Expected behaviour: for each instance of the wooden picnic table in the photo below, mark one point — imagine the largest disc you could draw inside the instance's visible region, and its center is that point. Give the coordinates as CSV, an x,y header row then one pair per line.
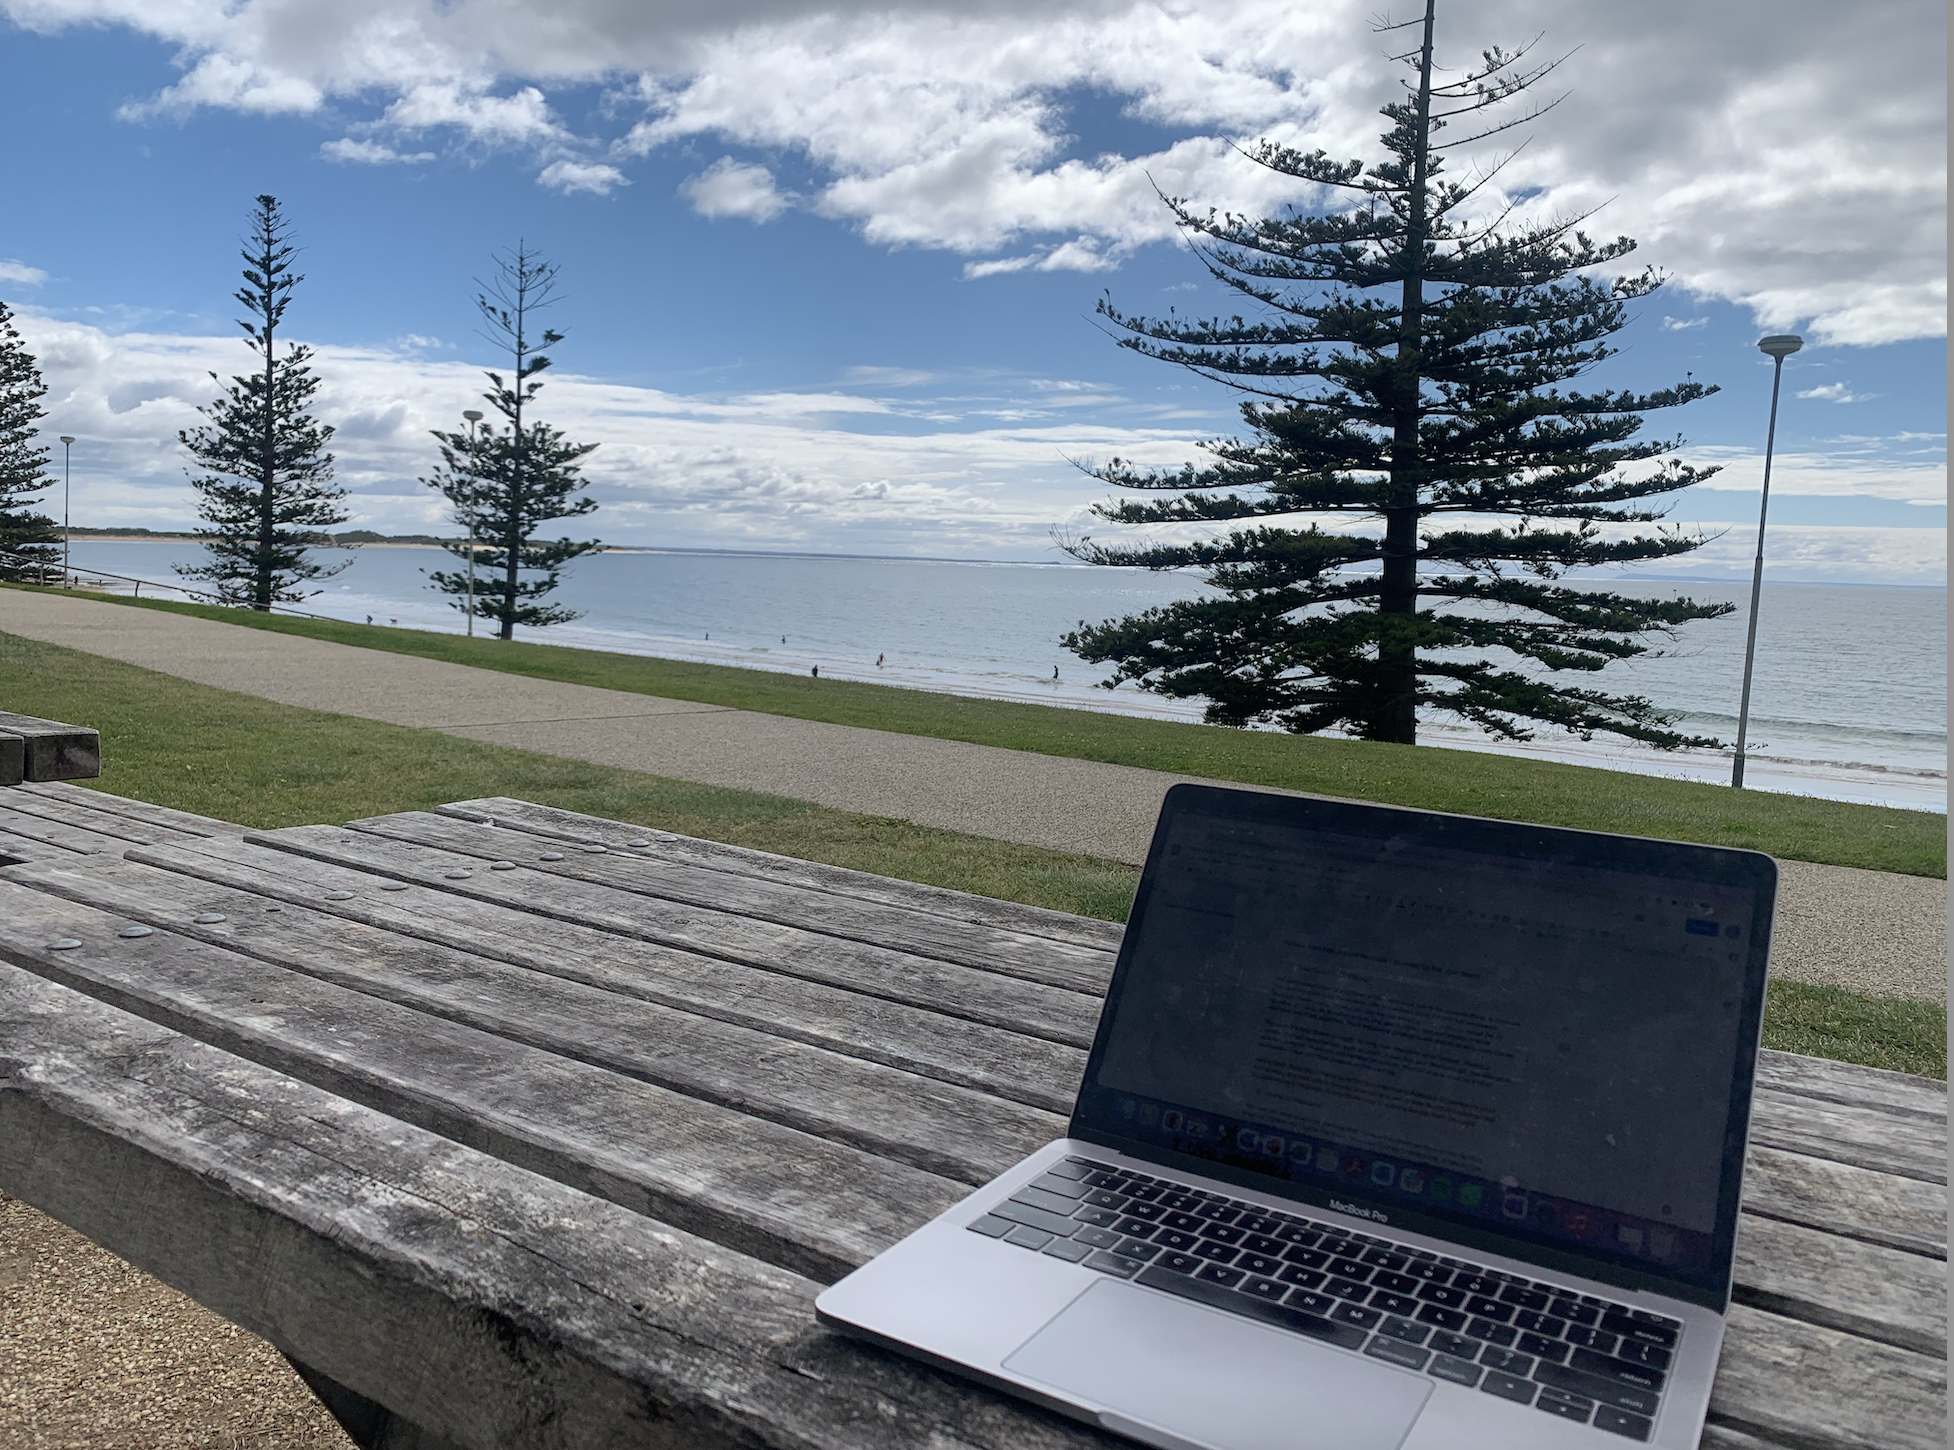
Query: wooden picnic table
x,y
514,1127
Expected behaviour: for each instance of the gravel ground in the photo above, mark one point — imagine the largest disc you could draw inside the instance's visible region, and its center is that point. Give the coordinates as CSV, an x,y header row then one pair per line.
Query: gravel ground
x,y
97,1355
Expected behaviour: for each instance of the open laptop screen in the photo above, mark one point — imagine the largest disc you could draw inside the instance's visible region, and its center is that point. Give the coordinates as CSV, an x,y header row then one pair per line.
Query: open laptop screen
x,y
1496,1032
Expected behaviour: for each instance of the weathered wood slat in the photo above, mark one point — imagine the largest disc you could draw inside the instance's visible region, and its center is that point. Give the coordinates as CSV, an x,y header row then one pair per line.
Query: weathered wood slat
x,y
1878,1209
781,1194
1009,953
1722,1437
1807,1191
1022,1069
561,825
464,1294
415,923
78,839
1876,1293
1026,1007
1898,1212
1818,1193
21,848
207,991
51,750
1852,1085
1841,1198
189,823
65,810
1869,1137
1814,1387
1866,1137
1823,1281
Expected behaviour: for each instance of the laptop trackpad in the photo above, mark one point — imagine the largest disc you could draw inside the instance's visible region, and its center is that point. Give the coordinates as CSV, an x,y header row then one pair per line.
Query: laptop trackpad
x,y
1214,1379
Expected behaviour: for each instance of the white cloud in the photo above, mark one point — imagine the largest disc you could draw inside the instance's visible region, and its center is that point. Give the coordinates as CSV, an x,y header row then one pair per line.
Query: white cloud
x,y
1081,254
889,377
1837,393
369,153
779,405
1786,155
730,188
520,119
21,274
593,177
1677,324
774,470
224,81
1820,554
999,267
970,472
1869,468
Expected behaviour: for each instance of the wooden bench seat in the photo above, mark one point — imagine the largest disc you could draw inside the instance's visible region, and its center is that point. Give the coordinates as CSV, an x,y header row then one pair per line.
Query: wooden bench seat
x,y
43,750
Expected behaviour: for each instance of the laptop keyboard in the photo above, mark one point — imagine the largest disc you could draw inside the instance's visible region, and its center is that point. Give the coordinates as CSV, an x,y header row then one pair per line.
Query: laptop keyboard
x,y
1576,1357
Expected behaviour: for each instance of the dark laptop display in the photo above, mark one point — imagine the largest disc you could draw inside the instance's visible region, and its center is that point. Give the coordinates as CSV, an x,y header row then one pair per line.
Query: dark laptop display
x,y
1537,1039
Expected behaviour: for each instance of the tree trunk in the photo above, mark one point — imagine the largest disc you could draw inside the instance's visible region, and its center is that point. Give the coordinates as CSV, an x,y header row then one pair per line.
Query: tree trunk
x,y
268,478
1397,651
514,541
268,464
1396,715
514,545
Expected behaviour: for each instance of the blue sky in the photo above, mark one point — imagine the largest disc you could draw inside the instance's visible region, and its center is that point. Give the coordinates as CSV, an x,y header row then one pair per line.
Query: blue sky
x,y
828,275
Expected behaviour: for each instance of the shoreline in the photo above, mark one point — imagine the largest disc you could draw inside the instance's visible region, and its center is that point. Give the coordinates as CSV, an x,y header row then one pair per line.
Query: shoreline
x,y
1786,757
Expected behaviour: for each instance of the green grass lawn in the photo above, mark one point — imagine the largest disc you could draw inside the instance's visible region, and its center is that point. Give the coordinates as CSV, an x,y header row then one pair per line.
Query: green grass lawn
x,y
1890,1032
248,760
1800,828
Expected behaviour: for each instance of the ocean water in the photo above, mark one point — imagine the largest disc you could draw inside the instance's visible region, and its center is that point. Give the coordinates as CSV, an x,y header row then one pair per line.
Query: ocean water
x,y
1850,698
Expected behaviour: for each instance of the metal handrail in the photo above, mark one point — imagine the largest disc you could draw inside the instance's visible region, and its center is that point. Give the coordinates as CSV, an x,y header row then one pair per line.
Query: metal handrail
x,y
78,574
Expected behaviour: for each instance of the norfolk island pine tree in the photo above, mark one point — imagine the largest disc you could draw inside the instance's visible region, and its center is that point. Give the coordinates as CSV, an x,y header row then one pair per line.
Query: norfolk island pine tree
x,y
518,477
267,487
30,542
1432,350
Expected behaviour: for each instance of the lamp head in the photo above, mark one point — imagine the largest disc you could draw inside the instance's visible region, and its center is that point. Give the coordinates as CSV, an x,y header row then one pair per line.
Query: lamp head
x,y
65,439
471,415
1780,344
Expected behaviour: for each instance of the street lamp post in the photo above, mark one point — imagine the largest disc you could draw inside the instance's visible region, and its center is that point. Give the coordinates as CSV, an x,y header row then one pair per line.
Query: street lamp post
x,y
475,432
1778,347
67,475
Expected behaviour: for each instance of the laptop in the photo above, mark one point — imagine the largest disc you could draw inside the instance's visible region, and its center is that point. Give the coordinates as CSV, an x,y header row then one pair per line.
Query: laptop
x,y
1401,1131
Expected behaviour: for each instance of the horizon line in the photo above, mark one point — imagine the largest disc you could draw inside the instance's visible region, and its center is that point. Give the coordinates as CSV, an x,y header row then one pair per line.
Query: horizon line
x,y
418,541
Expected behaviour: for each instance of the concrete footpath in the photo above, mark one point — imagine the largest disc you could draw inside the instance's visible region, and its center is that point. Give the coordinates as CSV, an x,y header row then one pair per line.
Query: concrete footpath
x,y
1871,931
